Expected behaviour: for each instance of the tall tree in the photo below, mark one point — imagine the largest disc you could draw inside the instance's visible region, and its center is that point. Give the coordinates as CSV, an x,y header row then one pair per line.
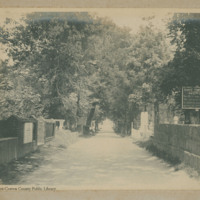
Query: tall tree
x,y
184,69
49,48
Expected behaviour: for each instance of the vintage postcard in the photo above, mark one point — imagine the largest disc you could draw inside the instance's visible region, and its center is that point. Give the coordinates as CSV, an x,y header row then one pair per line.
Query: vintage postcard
x,y
99,103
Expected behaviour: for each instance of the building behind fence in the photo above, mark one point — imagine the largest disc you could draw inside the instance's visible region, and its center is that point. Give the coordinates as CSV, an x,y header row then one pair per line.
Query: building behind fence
x,y
20,136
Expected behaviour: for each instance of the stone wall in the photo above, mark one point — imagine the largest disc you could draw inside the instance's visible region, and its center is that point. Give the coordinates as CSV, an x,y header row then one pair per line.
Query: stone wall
x,y
180,141
8,149
40,131
19,137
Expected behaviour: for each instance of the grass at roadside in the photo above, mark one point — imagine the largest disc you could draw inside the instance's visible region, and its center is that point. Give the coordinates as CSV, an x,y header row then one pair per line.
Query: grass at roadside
x,y
11,173
149,146
172,161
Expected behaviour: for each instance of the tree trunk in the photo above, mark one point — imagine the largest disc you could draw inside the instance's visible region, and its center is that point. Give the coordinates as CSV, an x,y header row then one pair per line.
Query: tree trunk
x,y
78,106
89,120
96,125
156,114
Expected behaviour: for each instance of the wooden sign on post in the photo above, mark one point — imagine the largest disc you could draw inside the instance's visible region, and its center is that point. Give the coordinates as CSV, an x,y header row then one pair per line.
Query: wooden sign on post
x,y
191,98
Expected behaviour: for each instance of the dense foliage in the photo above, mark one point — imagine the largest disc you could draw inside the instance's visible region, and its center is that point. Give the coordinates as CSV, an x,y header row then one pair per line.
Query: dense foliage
x,y
184,69
62,64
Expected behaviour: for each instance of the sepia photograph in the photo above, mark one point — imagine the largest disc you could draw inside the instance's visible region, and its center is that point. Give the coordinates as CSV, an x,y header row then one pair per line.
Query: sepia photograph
x,y
99,99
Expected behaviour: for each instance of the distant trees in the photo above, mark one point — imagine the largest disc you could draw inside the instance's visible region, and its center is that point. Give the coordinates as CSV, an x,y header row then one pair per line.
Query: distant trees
x,y
65,62
146,57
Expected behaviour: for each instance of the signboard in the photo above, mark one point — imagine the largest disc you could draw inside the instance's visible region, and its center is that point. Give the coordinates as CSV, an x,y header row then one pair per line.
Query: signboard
x,y
28,132
191,98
